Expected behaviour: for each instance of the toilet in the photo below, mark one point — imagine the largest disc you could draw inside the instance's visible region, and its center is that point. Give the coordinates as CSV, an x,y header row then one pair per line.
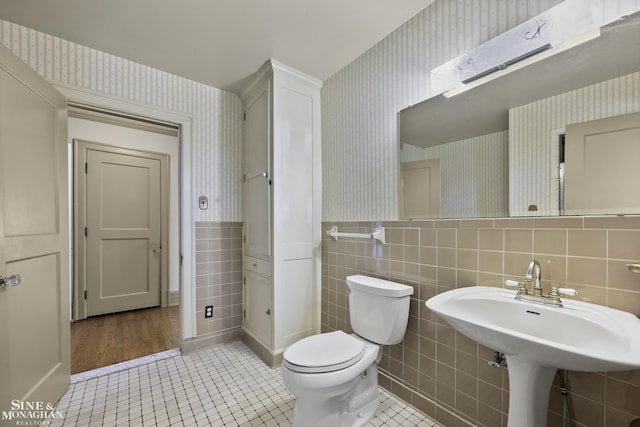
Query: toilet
x,y
334,375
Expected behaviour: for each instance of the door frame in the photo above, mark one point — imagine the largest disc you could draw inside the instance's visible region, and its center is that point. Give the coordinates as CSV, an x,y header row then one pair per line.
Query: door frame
x,y
88,98
80,148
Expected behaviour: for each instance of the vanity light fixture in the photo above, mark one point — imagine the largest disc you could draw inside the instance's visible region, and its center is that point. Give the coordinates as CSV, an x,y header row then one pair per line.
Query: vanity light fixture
x,y
519,63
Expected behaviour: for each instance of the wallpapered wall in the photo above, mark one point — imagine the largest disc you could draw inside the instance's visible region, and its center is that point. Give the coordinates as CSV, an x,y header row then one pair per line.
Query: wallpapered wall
x,y
533,137
216,136
474,174
360,103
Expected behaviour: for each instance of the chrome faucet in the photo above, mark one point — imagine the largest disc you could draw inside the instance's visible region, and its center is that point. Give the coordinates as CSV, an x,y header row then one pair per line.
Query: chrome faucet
x,y
533,277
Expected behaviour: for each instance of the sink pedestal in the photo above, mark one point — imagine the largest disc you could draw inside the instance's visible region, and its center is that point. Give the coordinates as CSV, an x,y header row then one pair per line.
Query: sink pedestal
x,y
529,388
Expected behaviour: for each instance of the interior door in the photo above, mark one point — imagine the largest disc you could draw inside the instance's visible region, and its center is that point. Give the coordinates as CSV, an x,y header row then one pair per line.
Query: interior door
x,y
601,166
420,195
123,226
34,314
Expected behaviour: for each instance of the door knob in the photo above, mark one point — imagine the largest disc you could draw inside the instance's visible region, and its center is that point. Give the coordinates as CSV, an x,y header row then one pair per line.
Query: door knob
x,y
155,248
14,280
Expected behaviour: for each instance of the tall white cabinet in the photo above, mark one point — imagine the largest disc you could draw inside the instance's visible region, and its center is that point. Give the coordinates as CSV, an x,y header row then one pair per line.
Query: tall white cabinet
x,y
282,210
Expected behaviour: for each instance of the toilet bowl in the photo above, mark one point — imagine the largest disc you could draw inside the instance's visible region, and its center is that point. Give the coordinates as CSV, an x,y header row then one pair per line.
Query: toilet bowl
x,y
325,390
334,375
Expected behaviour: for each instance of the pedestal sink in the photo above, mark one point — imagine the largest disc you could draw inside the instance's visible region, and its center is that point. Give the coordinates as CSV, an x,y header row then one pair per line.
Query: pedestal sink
x,y
538,339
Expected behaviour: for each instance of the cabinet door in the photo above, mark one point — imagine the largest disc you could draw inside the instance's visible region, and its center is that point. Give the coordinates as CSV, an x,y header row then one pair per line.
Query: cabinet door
x,y
258,308
257,169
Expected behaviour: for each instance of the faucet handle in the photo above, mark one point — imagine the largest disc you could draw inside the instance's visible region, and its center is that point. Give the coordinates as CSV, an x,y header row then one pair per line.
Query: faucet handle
x,y
556,292
522,287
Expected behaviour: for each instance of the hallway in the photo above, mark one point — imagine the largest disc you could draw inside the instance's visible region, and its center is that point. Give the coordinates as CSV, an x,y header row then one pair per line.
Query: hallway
x,y
113,338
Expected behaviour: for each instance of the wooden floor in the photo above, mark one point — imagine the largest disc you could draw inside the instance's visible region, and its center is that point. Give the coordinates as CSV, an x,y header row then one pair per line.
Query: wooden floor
x,y
113,338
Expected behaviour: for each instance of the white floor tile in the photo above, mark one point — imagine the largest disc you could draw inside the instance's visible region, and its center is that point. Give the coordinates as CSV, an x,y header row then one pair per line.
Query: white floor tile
x,y
225,385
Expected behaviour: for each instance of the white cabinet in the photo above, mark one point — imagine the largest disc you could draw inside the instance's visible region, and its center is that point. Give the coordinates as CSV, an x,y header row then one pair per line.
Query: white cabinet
x,y
282,209
257,173
258,306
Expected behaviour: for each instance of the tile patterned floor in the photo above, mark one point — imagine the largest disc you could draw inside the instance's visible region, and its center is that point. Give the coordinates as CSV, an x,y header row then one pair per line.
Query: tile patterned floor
x,y
225,385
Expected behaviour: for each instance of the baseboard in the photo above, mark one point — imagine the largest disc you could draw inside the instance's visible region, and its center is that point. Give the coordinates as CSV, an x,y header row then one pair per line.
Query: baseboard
x,y
173,298
271,359
198,343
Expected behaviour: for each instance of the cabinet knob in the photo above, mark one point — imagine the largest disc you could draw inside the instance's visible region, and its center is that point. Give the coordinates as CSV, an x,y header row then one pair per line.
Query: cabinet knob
x,y
268,312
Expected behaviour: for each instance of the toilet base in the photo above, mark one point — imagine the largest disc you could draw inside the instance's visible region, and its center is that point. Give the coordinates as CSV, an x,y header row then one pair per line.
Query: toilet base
x,y
351,409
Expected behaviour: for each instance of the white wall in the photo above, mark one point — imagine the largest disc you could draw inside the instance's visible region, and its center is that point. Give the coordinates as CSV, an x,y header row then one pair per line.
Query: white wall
x,y
474,176
216,136
360,103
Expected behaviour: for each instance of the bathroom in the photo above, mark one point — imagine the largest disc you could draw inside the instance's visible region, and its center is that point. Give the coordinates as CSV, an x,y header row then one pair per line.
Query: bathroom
x,y
436,370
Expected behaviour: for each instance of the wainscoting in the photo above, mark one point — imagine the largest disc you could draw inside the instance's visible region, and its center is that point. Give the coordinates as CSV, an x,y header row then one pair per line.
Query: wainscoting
x,y
218,284
445,374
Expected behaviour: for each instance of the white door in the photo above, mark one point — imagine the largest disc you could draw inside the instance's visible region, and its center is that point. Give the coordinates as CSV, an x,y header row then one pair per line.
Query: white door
x,y
420,189
34,316
123,226
601,166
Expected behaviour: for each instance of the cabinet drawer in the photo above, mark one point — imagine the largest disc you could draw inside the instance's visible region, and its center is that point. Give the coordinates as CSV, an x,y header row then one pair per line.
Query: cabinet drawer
x,y
257,265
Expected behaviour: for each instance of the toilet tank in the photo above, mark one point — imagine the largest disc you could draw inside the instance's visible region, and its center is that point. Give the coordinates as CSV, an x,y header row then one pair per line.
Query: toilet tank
x,y
378,309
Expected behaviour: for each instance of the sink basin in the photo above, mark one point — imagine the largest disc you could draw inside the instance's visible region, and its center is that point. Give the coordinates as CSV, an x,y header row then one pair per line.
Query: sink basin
x,y
579,336
537,339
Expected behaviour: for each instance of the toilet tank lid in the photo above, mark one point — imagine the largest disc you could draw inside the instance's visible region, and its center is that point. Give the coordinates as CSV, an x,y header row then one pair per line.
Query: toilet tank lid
x,y
377,286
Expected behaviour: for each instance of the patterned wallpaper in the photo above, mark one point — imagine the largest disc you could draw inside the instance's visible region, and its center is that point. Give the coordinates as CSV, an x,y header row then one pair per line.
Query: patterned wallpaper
x,y
216,143
360,103
474,176
533,137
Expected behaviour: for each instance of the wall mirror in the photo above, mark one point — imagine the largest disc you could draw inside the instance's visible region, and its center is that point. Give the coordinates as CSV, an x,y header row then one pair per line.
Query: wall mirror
x,y
499,138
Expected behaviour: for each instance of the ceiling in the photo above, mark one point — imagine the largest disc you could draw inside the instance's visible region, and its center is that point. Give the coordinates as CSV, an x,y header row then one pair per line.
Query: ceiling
x,y
220,42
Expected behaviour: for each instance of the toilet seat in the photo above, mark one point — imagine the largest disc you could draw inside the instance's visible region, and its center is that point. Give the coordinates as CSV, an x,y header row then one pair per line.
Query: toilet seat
x,y
328,352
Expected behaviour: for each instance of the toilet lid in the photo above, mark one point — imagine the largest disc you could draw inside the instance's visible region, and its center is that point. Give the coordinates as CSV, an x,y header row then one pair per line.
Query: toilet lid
x,y
326,352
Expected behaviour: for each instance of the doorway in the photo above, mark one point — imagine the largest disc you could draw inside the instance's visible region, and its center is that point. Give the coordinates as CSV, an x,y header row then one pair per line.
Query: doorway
x,y
121,198
126,240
